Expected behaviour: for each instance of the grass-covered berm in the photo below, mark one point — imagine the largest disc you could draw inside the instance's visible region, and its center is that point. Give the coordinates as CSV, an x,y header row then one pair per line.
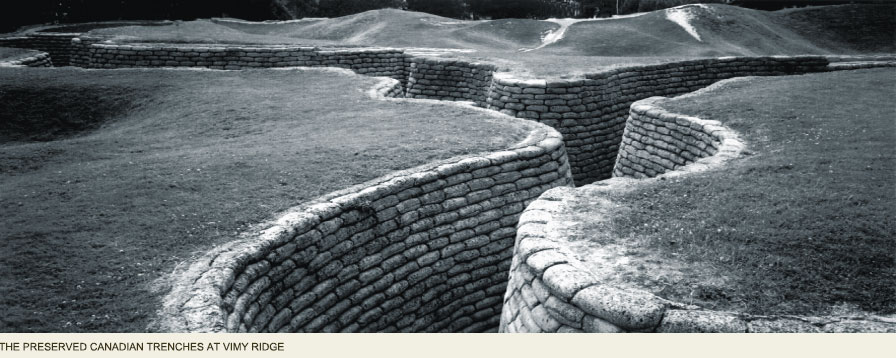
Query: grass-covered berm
x,y
110,178
802,223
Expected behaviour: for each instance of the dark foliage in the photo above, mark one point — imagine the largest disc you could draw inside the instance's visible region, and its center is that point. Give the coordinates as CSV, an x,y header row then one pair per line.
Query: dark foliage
x,y
498,9
447,8
781,4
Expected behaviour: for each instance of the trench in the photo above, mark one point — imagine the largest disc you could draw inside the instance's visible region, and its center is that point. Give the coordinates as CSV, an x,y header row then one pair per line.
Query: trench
x,y
428,249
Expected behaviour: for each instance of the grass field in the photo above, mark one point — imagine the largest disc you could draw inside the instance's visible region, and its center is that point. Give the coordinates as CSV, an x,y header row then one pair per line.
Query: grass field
x,y
804,224
144,167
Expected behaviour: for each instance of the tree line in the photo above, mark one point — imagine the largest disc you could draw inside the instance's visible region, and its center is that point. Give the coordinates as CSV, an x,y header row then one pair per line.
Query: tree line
x,y
14,14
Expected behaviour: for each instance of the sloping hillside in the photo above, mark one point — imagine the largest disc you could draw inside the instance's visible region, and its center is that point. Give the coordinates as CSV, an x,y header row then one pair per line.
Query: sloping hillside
x,y
390,27
716,30
688,31
846,27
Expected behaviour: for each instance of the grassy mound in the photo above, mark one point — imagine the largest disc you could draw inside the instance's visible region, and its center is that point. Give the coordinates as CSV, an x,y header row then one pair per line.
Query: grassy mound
x,y
372,27
587,46
802,225
627,37
386,27
389,27
90,221
728,31
510,34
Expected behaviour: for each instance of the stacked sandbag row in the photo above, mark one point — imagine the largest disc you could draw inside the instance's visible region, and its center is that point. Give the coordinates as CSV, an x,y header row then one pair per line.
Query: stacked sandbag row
x,y
101,55
656,142
33,59
450,80
373,62
550,291
592,138
58,45
370,62
393,90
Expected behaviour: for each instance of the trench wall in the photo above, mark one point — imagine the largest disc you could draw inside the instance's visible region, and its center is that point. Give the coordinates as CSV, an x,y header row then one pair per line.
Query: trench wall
x,y
449,80
549,290
58,45
372,62
425,250
656,141
591,113
37,59
423,78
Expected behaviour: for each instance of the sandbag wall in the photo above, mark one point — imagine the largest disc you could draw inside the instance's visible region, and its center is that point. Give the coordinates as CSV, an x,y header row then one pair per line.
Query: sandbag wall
x,y
37,59
591,113
23,42
656,141
551,290
426,249
372,62
58,45
590,129
392,90
448,80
